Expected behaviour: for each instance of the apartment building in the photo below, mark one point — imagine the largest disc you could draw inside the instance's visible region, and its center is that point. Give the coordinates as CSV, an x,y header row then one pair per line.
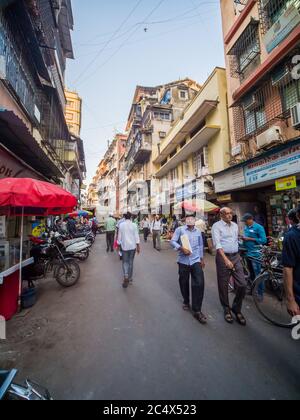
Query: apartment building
x,y
153,111
195,148
262,48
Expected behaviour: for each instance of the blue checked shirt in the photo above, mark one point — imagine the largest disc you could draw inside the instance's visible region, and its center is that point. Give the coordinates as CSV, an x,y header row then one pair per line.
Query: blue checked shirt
x,y
196,241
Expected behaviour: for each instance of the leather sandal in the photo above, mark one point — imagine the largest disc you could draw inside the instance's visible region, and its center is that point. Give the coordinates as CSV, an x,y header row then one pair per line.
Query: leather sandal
x,y
201,318
228,317
240,319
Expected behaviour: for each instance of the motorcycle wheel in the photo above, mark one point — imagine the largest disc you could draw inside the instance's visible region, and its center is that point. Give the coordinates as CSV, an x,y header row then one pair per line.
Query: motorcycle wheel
x,y
67,273
84,255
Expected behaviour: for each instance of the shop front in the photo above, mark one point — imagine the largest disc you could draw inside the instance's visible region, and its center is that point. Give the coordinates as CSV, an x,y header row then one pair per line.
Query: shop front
x,y
10,230
267,186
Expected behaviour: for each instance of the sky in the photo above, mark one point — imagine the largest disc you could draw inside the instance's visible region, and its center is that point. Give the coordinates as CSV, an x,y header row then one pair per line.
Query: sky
x,y
120,44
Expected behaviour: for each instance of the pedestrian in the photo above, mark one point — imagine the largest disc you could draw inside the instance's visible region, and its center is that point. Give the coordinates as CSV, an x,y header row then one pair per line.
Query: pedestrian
x,y
145,225
129,241
254,237
293,218
71,226
94,225
156,231
187,240
175,224
110,228
291,263
225,235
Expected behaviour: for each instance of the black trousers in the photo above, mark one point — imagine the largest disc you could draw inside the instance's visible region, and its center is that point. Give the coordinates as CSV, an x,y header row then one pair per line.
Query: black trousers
x,y
146,233
198,285
110,239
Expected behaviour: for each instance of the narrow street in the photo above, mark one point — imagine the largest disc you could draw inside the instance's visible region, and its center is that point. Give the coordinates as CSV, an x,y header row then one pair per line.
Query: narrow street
x,y
97,341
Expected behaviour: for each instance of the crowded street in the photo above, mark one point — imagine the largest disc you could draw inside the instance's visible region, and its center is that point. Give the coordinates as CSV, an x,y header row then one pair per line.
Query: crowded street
x,y
99,341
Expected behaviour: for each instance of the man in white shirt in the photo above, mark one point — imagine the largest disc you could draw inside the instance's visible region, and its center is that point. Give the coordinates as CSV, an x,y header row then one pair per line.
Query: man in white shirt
x,y
226,241
129,242
156,231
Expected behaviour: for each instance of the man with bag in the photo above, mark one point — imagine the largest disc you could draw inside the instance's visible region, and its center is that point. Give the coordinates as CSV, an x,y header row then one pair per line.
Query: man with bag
x,y
187,240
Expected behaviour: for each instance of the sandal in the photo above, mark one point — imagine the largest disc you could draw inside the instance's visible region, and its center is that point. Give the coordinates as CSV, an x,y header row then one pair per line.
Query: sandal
x,y
228,317
201,318
240,319
186,308
125,284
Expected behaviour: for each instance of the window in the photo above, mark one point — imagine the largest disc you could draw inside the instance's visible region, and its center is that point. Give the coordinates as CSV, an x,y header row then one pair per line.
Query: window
x,y
271,10
246,49
70,104
254,120
69,116
163,116
291,95
183,95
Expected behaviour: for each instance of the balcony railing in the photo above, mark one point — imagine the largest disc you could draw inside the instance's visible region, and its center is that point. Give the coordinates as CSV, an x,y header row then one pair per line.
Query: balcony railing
x,y
140,151
270,104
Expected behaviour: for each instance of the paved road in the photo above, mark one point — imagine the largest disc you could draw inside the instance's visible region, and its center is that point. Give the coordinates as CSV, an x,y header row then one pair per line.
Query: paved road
x,y
97,341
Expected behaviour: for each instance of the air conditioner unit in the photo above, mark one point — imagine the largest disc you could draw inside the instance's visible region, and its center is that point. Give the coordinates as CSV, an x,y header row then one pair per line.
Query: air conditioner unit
x,y
268,137
236,150
295,113
162,134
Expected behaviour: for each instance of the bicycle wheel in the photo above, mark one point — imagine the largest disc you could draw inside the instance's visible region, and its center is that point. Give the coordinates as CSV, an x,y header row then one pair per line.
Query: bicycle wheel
x,y
272,306
67,273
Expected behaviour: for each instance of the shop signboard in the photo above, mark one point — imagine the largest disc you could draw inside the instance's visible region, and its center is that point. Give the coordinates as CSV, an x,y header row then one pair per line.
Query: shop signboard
x,y
189,190
10,167
279,165
229,181
284,184
282,28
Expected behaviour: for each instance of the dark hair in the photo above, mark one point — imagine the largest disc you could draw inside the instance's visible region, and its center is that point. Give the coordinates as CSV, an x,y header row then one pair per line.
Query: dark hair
x,y
127,216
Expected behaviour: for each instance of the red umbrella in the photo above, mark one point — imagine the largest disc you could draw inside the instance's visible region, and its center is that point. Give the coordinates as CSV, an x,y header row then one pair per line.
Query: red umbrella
x,y
30,197
37,198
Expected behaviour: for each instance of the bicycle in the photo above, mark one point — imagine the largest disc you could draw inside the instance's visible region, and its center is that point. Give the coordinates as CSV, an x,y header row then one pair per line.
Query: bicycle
x,y
29,392
272,305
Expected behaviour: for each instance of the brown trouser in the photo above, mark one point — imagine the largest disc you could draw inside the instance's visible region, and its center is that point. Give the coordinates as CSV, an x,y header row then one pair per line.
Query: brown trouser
x,y
224,276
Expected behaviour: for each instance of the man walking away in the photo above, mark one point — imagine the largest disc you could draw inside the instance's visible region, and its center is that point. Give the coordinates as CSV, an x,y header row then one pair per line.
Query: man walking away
x,y
291,263
129,241
156,230
226,240
254,237
110,228
191,263
146,228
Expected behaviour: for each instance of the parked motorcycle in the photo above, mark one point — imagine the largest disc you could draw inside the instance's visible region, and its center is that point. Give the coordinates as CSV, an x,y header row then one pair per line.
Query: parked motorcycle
x,y
79,250
49,258
28,392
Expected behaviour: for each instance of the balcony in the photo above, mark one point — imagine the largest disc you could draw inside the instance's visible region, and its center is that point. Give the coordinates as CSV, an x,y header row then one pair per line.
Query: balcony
x,y
200,140
140,151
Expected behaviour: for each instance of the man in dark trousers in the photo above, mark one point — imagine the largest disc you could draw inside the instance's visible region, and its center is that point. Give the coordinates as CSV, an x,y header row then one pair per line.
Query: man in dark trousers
x,y
291,263
226,240
191,264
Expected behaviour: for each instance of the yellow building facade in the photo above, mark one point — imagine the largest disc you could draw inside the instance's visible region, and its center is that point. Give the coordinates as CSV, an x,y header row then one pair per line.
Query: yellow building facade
x,y
73,112
198,144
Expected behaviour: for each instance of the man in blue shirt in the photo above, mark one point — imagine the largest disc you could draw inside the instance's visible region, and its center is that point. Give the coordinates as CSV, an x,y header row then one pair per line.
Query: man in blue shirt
x,y
191,263
254,237
291,263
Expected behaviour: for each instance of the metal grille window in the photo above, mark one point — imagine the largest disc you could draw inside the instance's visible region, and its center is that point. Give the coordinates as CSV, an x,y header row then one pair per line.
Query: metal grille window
x,y
271,10
267,105
246,50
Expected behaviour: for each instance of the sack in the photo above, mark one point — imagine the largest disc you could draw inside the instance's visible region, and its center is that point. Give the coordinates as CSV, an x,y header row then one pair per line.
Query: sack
x,y
116,245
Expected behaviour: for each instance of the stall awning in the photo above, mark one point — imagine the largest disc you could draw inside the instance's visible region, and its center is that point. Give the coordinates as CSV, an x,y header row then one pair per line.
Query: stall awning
x,y
16,137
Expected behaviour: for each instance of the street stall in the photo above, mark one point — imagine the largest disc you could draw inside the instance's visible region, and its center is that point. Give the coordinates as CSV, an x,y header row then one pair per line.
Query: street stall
x,y
21,200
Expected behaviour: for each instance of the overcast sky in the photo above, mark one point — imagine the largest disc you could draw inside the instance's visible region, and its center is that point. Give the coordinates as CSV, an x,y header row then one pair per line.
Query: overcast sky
x,y
123,43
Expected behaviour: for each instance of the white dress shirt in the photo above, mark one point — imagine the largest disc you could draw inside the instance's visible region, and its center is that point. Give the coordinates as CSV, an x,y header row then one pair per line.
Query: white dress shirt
x,y
226,236
156,225
128,236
